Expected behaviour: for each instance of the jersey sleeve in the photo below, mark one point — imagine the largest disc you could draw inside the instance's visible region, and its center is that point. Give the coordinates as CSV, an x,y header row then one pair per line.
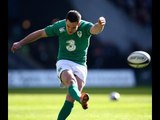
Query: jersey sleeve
x,y
51,30
88,27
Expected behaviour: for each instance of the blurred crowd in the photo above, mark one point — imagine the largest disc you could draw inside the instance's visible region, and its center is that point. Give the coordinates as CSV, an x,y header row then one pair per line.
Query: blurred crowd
x,y
139,10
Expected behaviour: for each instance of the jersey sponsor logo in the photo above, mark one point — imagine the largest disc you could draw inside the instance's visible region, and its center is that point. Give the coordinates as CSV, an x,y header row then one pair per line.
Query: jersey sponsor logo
x,y
61,29
79,33
70,45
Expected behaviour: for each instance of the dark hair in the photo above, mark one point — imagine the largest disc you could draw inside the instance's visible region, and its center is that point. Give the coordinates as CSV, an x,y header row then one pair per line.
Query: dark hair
x,y
73,16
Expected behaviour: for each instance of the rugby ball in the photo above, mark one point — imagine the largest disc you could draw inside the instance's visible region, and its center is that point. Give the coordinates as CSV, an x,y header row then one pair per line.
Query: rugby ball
x,y
138,59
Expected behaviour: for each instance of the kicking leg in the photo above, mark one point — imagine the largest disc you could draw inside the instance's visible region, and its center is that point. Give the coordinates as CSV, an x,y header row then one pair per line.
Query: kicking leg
x,y
70,81
84,96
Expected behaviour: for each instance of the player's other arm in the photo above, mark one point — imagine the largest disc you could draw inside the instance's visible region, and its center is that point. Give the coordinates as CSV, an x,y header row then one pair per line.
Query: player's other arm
x,y
98,27
28,39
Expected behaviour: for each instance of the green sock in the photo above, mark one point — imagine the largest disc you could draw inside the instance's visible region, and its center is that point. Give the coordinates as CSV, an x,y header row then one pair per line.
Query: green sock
x,y
65,111
74,92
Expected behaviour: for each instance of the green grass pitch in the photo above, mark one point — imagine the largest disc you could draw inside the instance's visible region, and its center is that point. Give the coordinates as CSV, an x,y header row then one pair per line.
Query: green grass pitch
x,y
44,104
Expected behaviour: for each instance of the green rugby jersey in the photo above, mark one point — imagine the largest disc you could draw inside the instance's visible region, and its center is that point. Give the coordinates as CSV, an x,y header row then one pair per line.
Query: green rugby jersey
x,y
71,47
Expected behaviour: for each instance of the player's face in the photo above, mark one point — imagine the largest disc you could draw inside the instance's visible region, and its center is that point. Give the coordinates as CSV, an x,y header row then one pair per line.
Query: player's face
x,y
71,27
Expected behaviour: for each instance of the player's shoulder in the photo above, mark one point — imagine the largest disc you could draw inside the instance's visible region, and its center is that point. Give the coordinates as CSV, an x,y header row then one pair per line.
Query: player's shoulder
x,y
85,23
56,28
60,23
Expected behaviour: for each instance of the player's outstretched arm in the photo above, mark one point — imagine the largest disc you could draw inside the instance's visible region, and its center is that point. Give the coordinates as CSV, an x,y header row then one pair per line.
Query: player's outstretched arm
x,y
99,26
28,39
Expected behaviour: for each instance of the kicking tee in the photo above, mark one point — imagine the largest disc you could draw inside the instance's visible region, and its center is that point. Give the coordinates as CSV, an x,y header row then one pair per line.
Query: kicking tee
x,y
71,47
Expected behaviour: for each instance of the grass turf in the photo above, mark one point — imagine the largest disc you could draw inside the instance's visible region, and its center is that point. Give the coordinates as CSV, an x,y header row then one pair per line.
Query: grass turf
x,y
44,104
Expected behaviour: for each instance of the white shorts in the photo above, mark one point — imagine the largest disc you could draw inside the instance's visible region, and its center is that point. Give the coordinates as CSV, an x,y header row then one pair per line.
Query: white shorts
x,y
77,69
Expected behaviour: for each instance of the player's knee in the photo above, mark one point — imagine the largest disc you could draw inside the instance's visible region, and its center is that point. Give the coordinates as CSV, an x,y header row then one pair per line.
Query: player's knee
x,y
72,81
68,78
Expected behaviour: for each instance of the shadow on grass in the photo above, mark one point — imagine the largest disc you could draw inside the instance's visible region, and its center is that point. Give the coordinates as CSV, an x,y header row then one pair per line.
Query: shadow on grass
x,y
133,90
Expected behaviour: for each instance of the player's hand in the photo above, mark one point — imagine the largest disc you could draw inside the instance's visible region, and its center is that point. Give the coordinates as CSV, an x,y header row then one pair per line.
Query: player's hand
x,y
101,21
15,46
